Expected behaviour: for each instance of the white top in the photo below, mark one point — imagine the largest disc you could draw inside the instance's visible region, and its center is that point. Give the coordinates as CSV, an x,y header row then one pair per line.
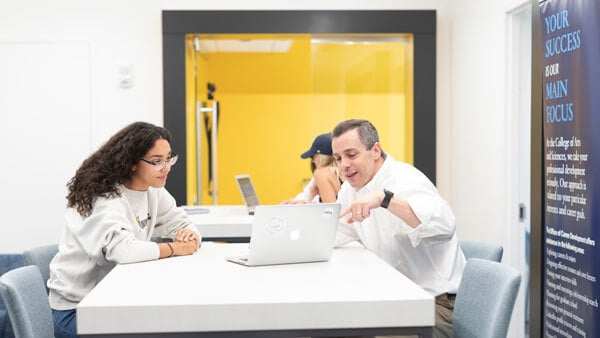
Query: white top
x,y
429,254
306,193
204,292
114,233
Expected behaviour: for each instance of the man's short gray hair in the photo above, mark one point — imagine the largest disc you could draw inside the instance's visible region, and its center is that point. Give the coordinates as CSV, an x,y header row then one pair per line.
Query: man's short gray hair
x,y
366,132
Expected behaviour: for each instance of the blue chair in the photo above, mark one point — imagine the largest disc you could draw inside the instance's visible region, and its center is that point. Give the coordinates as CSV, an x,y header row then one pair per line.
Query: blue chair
x,y
27,302
485,299
41,257
7,263
482,250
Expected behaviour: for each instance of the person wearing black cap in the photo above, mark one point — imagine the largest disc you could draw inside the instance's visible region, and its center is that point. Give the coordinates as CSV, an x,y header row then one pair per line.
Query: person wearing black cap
x,y
326,180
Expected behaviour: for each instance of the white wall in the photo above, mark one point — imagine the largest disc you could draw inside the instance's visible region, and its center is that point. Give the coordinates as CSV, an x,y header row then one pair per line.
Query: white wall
x,y
485,188
45,131
479,165
470,85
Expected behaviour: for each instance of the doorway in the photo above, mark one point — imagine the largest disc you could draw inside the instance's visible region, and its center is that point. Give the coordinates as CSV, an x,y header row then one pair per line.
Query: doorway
x,y
519,132
420,24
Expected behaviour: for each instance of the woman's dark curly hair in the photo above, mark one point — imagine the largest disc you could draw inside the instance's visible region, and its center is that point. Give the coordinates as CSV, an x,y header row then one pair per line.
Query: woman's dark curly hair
x,y
111,165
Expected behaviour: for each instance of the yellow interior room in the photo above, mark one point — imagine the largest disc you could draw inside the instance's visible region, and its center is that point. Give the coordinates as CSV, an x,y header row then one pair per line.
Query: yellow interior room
x,y
277,92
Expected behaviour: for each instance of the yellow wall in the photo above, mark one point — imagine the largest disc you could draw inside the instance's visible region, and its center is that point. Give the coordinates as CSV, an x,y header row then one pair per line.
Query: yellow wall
x,y
274,104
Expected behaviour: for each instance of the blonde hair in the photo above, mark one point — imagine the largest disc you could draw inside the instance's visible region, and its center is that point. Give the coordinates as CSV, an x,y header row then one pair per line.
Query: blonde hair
x,y
323,160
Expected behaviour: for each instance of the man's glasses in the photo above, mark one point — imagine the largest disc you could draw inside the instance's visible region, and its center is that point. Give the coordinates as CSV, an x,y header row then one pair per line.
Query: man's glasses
x,y
159,165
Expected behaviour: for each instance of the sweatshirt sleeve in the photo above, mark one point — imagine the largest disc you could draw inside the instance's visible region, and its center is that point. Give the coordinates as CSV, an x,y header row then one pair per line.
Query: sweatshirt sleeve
x,y
170,218
107,235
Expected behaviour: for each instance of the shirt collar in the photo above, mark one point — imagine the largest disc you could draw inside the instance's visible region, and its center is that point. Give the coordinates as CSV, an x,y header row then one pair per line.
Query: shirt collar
x,y
380,176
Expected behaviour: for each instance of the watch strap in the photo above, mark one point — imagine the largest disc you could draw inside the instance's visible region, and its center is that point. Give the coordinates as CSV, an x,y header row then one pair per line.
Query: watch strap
x,y
386,200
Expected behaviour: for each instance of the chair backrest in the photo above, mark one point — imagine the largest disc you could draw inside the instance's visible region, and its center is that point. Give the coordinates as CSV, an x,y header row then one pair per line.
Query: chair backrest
x,y
41,257
27,302
7,263
485,299
482,250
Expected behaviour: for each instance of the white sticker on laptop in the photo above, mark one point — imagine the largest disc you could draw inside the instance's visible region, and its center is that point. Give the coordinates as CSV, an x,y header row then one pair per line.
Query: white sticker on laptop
x,y
328,212
275,226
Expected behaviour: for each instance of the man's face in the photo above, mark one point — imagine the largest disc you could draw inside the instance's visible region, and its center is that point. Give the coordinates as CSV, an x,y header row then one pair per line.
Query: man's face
x,y
357,164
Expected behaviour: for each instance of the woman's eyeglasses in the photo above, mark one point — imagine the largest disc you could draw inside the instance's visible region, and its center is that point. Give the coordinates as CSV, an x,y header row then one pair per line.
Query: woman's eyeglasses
x,y
159,165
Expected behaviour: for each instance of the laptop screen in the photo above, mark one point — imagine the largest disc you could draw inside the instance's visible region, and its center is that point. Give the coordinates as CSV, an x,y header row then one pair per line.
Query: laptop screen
x,y
247,189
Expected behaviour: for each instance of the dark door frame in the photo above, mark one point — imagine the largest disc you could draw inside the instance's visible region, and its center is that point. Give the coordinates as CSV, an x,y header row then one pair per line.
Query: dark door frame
x,y
420,23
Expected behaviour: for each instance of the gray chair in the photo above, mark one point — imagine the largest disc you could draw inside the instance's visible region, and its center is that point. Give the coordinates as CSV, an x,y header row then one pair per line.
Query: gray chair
x,y
27,302
41,257
482,250
485,299
7,263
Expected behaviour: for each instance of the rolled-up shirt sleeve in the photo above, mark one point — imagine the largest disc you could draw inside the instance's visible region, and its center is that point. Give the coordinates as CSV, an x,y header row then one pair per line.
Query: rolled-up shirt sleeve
x,y
408,183
435,214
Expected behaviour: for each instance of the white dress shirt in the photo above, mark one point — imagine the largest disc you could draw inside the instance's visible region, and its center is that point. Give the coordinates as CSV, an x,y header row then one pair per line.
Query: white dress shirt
x,y
429,254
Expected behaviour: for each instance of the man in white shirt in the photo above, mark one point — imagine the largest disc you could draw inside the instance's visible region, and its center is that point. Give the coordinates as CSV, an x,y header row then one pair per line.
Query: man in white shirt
x,y
397,213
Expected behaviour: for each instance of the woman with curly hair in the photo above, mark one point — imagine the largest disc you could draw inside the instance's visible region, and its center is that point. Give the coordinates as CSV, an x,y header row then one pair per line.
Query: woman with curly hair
x,y
116,202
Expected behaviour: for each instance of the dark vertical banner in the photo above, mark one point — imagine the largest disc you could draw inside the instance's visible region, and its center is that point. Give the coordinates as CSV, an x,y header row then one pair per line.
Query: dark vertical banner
x,y
571,120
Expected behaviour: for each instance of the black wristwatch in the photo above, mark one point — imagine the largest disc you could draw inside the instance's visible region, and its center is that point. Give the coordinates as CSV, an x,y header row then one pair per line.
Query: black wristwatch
x,y
386,200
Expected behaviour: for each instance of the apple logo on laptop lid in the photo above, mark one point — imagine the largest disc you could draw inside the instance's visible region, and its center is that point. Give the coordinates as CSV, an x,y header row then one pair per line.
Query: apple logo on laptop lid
x,y
295,234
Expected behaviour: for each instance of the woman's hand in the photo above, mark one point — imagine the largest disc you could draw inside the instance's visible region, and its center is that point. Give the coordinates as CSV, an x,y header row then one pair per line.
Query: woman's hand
x,y
186,235
186,242
184,248
293,202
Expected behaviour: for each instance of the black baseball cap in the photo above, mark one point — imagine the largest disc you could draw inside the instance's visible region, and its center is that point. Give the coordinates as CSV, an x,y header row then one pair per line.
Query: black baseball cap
x,y
321,145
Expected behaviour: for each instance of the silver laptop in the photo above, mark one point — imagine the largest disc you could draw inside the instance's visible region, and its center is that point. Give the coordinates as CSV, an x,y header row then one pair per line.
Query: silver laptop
x,y
298,233
248,192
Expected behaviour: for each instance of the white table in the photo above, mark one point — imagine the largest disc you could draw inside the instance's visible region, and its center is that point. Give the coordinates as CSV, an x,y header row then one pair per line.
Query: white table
x,y
223,223
202,295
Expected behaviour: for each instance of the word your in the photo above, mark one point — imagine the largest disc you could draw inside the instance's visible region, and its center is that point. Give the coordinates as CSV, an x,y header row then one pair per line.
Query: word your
x,y
563,43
